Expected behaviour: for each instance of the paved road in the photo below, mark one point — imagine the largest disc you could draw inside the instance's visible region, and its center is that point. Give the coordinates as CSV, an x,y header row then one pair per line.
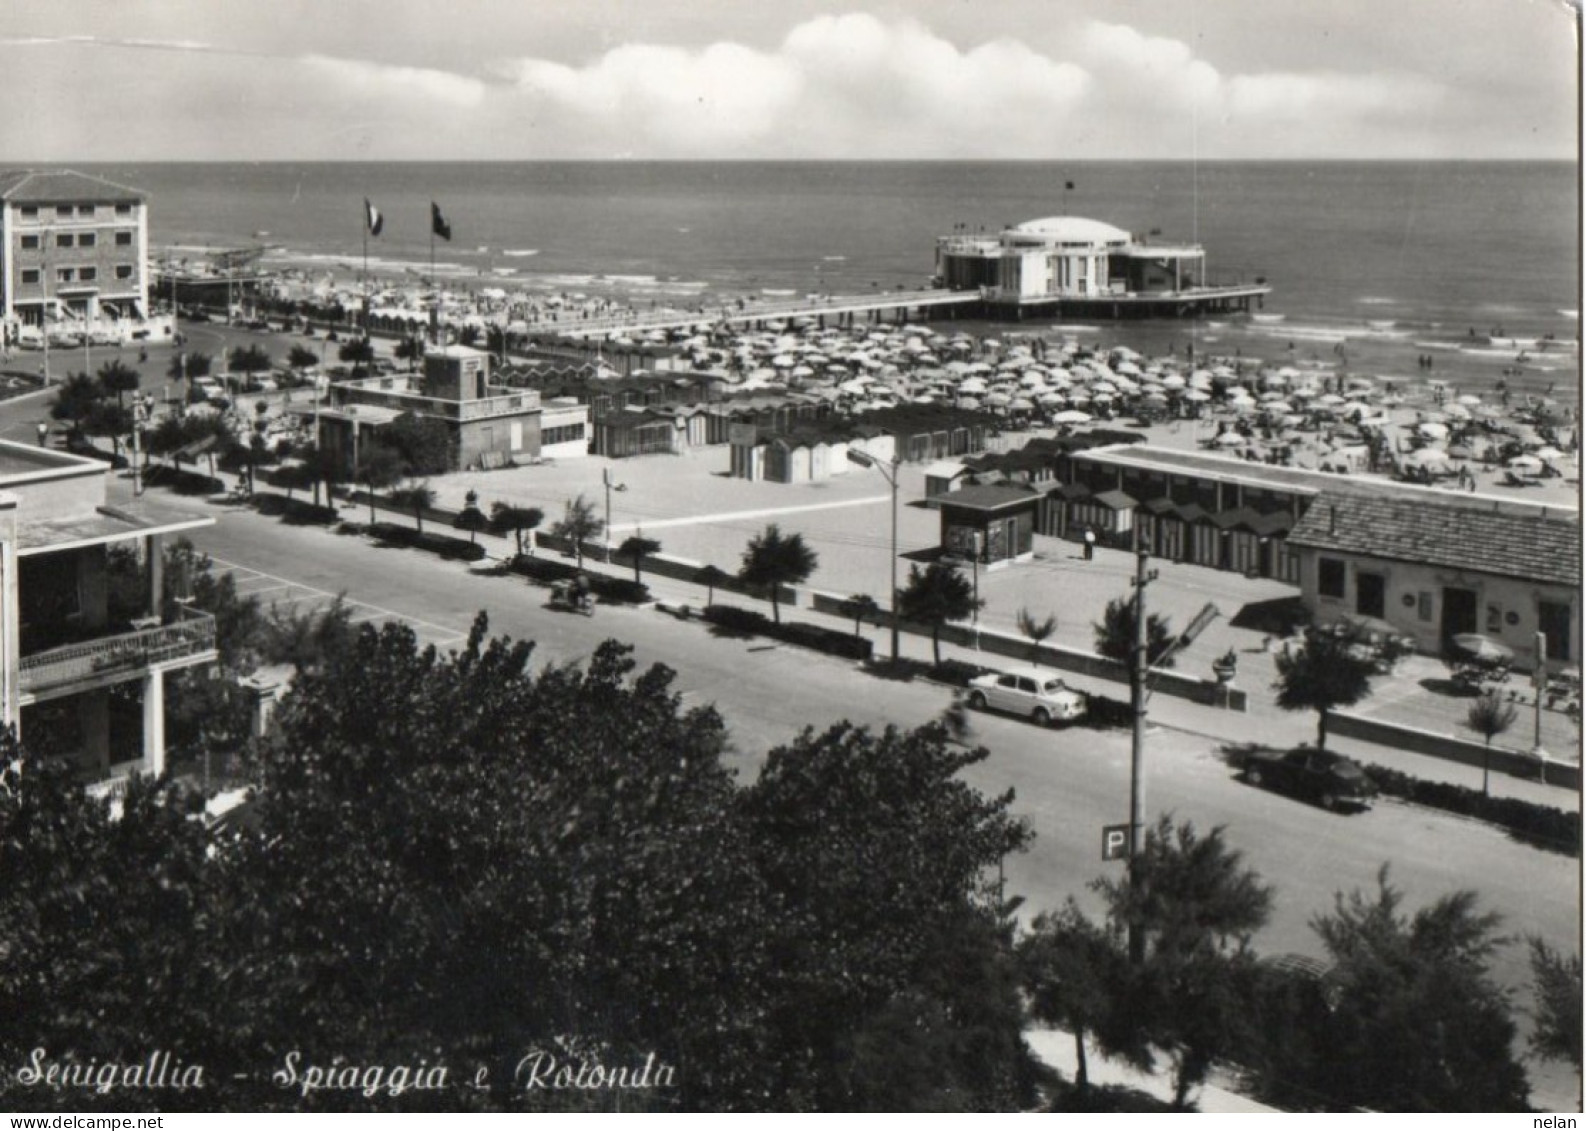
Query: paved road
x,y
1068,783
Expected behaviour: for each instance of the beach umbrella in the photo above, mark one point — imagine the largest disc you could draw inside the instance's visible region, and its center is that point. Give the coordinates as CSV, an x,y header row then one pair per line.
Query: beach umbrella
x,y
966,403
1230,440
1479,647
1173,381
1432,430
1525,465
1548,453
1469,401
1071,416
1197,396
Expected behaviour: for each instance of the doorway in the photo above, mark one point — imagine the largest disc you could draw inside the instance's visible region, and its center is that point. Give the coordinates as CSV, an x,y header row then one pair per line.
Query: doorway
x,y
1459,611
1371,594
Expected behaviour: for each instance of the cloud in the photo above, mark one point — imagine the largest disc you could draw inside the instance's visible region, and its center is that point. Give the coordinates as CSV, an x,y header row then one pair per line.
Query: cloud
x,y
377,80
834,86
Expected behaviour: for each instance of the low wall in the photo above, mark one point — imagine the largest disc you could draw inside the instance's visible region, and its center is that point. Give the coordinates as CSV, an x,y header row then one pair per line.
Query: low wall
x,y
1179,686
1565,775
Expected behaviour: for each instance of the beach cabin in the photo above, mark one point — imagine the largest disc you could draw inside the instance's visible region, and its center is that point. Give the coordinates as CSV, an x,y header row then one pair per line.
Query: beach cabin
x,y
944,477
999,520
1110,514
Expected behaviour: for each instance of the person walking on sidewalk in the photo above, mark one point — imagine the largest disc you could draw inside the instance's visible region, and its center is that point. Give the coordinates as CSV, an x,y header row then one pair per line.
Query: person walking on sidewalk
x,y
1090,543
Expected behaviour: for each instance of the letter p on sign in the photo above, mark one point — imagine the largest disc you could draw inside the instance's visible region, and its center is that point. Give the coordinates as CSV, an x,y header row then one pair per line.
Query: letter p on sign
x,y
1114,842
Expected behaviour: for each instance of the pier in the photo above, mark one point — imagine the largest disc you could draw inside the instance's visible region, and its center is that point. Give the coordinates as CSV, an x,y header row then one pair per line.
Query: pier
x,y
836,310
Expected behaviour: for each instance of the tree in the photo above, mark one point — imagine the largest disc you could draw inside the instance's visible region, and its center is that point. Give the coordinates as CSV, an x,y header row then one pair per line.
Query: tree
x,y
509,516
773,560
411,350
859,606
1330,669
1073,971
1116,629
1556,982
199,364
293,477
301,358
636,546
1416,1023
119,378
1489,716
1190,906
893,985
250,359
423,443
578,524
935,595
1036,630
418,498
76,397
710,576
378,468
471,518
360,352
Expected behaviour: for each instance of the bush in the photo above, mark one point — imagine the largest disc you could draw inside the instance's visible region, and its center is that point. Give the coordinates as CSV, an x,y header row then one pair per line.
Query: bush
x,y
546,570
1541,825
456,549
739,620
1104,712
182,481
618,589
817,637
958,673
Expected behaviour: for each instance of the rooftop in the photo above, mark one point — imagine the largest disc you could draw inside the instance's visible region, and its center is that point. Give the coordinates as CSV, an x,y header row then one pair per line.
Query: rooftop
x,y
104,524
1071,228
1485,539
989,498
52,186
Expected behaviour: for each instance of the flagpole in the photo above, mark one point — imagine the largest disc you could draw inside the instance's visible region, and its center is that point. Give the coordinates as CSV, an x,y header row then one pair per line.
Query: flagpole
x,y
435,298
366,267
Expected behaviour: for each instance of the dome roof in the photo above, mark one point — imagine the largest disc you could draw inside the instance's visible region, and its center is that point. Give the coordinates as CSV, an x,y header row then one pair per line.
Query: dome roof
x,y
1071,229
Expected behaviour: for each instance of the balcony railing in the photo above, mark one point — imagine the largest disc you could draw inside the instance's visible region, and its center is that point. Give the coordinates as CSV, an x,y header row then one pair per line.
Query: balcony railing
x,y
190,635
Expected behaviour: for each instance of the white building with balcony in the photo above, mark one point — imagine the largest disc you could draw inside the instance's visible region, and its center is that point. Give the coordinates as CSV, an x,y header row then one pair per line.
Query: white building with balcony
x,y
83,654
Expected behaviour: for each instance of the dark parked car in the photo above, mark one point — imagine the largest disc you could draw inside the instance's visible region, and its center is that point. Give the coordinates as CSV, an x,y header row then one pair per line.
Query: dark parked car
x,y
1330,780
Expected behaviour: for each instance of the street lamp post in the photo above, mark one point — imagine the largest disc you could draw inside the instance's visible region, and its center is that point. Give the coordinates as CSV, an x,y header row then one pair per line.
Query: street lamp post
x,y
865,460
605,477
1140,665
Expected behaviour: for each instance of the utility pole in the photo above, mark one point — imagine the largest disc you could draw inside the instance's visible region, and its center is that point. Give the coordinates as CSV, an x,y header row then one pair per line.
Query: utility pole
x,y
1139,664
605,477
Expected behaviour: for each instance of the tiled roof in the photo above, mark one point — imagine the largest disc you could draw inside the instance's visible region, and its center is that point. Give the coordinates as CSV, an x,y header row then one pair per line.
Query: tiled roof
x,y
1484,538
51,186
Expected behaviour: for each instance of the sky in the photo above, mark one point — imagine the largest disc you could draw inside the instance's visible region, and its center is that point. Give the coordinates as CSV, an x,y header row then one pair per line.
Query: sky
x,y
313,80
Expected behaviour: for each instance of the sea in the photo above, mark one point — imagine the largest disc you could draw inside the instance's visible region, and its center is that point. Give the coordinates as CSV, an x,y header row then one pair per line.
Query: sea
x,y
1473,265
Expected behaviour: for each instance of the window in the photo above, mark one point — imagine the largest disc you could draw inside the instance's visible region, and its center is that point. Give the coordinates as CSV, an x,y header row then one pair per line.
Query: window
x,y
63,239
30,243
30,212
1554,620
65,274
85,210
1330,577
64,211
562,435
87,274
123,239
87,239
1370,594
30,274
124,271
124,209
1423,605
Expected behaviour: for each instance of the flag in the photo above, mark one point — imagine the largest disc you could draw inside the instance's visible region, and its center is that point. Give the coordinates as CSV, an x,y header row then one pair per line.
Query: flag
x,y
372,217
438,222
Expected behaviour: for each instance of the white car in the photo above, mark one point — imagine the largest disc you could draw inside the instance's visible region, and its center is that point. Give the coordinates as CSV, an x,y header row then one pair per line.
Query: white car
x,y
1040,695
